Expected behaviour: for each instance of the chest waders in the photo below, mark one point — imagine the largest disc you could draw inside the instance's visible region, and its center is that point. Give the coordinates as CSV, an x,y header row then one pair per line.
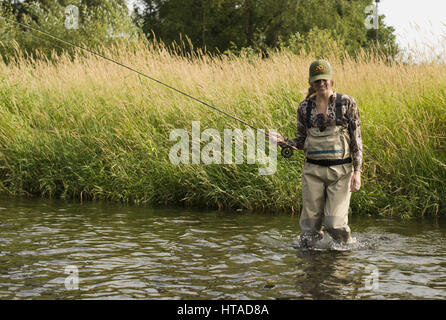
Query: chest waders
x,y
326,179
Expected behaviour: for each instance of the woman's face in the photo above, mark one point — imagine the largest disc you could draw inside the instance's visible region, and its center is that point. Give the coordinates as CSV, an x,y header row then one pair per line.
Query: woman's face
x,y
322,86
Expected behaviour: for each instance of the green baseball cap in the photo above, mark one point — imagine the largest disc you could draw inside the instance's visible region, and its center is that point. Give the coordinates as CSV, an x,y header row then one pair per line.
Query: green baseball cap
x,y
320,69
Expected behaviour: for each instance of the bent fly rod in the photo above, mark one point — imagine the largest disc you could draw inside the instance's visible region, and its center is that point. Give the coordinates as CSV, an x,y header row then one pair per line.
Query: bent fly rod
x,y
287,150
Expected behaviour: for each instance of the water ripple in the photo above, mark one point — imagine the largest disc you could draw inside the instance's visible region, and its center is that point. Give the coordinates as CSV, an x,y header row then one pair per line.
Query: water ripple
x,y
139,253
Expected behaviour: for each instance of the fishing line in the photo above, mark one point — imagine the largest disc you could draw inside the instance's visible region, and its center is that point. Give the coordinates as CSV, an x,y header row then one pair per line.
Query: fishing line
x,y
287,151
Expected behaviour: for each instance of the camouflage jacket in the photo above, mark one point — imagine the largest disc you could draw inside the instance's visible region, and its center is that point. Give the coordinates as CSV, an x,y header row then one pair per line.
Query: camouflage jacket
x,y
351,121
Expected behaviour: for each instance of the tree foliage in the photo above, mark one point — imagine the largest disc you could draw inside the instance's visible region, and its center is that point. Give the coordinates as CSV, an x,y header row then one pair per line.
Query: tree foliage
x,y
218,25
312,26
99,22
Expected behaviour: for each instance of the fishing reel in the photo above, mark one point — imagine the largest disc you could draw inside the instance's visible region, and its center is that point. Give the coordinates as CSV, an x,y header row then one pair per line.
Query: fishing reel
x,y
286,152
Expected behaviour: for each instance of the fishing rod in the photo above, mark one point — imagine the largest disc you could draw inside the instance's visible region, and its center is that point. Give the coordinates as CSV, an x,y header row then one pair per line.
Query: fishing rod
x,y
287,150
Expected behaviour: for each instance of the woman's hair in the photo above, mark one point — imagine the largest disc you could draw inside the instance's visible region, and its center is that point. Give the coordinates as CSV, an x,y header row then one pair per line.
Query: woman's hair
x,y
311,90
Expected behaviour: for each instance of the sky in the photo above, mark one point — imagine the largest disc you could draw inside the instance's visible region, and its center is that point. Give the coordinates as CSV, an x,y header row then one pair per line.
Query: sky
x,y
420,25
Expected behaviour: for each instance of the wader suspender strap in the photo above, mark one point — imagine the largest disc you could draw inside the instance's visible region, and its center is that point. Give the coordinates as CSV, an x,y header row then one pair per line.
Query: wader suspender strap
x,y
338,111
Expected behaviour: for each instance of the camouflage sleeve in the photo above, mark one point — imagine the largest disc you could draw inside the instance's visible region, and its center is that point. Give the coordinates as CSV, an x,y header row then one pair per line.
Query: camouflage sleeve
x,y
301,135
354,128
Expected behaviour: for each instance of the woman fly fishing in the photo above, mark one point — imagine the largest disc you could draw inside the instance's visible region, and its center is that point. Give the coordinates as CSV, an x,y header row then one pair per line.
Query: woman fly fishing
x,y
328,131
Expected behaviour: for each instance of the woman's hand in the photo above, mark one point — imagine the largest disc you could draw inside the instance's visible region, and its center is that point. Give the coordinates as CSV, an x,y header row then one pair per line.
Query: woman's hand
x,y
277,138
355,184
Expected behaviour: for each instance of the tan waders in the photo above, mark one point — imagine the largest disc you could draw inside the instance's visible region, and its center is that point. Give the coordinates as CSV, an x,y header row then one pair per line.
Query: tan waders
x,y
326,179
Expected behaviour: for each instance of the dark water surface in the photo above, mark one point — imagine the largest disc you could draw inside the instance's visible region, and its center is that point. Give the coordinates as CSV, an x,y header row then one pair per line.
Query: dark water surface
x,y
124,252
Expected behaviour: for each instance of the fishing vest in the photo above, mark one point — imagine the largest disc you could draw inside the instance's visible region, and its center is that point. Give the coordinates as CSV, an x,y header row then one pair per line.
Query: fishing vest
x,y
333,143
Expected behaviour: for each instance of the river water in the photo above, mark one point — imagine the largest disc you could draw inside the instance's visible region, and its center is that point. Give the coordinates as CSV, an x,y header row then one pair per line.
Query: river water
x,y
62,250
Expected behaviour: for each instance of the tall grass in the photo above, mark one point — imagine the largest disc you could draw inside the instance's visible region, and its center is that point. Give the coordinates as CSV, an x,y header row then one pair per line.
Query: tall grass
x,y
85,128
